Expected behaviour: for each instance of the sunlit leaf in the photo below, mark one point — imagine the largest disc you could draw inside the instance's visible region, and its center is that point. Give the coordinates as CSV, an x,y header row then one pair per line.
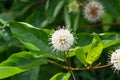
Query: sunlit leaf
x,y
23,60
61,76
9,71
81,54
95,50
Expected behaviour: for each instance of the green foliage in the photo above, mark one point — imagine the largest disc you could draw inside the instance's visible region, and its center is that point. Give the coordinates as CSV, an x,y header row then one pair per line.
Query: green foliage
x,y
28,74
95,49
9,71
25,45
23,60
81,55
32,38
61,76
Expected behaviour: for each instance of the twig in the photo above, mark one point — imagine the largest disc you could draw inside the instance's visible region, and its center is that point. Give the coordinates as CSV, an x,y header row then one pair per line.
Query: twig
x,y
75,69
107,65
99,25
59,65
69,66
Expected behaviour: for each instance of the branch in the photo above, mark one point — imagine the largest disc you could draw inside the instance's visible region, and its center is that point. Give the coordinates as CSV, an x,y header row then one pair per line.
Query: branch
x,y
75,69
99,25
69,66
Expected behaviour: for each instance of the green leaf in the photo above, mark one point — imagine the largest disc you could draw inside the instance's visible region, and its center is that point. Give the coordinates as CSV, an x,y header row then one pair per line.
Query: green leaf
x,y
107,19
36,18
34,39
84,39
112,6
71,53
48,70
76,22
31,74
53,7
67,18
95,50
110,39
30,36
6,17
61,76
23,60
58,8
81,54
9,71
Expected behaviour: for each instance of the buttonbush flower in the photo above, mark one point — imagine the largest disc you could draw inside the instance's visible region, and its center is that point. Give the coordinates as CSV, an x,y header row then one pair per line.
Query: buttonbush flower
x,y
62,40
93,11
73,6
115,59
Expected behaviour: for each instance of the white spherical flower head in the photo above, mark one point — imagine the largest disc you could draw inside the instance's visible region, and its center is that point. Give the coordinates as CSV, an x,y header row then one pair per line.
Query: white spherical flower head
x,y
62,40
115,59
93,11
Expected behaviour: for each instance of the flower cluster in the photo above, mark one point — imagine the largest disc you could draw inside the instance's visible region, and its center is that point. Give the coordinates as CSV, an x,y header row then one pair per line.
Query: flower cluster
x,y
93,11
62,40
115,59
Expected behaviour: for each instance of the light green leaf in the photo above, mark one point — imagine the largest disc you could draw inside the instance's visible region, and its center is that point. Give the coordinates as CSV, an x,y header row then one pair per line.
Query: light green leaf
x,y
76,22
67,18
61,76
23,60
95,50
9,71
81,54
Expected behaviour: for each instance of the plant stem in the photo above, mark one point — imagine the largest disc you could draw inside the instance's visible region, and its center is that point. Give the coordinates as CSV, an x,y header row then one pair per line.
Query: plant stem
x,y
99,25
69,66
76,69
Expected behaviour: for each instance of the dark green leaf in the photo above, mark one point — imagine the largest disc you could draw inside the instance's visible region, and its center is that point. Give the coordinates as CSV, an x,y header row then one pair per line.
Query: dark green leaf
x,y
34,39
53,7
36,18
110,39
6,17
112,6
107,19
82,41
31,74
